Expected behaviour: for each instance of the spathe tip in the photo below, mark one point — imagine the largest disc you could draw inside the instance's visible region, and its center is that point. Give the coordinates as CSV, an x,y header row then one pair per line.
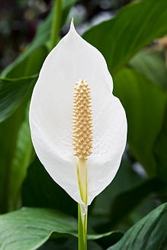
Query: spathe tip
x,y
72,21
72,24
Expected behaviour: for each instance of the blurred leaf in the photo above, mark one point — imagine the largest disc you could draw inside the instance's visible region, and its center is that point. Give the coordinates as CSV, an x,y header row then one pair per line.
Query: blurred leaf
x,y
15,145
28,63
160,150
125,180
151,63
29,228
12,91
39,190
135,26
67,4
128,179
14,97
31,60
15,139
110,239
14,148
19,164
132,193
131,198
144,103
149,233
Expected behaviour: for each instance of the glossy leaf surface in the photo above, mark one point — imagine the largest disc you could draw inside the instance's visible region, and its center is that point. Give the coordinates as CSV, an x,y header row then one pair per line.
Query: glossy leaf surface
x,y
149,233
29,228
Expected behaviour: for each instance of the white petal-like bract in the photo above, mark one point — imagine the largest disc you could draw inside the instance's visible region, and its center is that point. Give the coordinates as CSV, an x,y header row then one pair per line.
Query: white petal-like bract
x,y
51,116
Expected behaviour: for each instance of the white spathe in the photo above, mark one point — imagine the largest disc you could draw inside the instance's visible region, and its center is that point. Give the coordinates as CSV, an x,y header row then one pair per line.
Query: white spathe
x,y
51,116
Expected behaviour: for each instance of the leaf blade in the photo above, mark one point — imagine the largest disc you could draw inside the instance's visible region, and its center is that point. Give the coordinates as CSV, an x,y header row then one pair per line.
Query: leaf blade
x,y
121,37
143,100
29,228
149,233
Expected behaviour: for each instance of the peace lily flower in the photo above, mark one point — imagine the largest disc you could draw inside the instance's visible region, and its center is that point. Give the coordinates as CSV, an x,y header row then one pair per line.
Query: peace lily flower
x,y
52,118
78,126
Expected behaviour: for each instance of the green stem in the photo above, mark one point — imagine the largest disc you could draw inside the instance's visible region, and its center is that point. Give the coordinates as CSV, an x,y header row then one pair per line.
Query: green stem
x,y
57,12
82,226
82,208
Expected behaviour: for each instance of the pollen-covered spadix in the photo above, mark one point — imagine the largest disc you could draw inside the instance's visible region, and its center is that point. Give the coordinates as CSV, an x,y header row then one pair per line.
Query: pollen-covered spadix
x,y
51,117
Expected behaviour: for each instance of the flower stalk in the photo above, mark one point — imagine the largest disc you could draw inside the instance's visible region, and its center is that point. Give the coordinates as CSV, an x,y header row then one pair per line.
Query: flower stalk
x,y
82,226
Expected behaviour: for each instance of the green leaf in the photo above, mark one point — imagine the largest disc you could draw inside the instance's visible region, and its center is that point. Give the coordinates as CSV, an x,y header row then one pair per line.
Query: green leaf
x,y
135,26
102,212
14,147
132,198
67,4
134,195
12,92
16,78
144,103
16,85
151,63
29,228
149,233
128,179
19,164
31,60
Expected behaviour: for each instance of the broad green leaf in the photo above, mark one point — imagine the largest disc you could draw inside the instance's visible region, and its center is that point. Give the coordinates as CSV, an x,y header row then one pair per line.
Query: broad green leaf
x,y
144,103
8,137
15,143
15,139
135,26
151,63
12,92
29,228
149,233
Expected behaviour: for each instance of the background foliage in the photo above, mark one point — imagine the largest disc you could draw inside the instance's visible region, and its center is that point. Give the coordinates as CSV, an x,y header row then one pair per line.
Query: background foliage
x,y
132,212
